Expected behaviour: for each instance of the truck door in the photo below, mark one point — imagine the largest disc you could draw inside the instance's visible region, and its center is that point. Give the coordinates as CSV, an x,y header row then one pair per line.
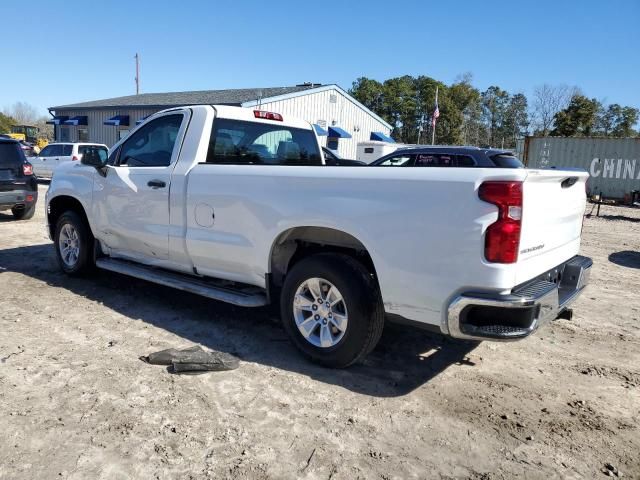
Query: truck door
x,y
131,202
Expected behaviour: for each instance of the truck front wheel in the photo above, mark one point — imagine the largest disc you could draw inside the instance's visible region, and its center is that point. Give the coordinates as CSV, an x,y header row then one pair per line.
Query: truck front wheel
x,y
332,310
73,243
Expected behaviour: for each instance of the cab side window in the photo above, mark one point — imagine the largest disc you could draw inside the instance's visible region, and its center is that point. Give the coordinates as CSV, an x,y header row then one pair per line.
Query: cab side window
x,y
434,160
152,145
46,151
397,161
113,158
465,161
51,151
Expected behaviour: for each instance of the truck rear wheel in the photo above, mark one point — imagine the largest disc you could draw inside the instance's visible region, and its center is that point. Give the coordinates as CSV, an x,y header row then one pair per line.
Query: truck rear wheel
x,y
332,310
73,243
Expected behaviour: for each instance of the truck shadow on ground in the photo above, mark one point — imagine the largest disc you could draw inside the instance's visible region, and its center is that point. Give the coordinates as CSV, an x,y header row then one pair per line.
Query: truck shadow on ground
x,y
405,359
615,218
626,258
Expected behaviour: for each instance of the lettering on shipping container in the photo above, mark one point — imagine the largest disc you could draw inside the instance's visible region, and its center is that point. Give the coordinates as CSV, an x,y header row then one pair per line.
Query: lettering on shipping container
x,y
545,156
620,168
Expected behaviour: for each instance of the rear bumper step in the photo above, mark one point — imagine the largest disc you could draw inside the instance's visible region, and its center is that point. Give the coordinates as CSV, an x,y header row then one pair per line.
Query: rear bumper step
x,y
487,316
236,294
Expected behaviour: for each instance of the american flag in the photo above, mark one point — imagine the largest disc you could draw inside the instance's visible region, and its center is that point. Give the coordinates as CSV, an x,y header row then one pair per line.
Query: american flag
x,y
436,112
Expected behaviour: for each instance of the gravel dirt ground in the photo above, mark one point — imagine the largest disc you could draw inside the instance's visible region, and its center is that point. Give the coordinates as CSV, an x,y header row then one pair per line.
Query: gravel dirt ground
x,y
76,402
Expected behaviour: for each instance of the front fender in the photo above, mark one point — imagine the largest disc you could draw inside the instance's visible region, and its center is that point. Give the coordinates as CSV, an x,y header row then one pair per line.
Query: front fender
x,y
76,181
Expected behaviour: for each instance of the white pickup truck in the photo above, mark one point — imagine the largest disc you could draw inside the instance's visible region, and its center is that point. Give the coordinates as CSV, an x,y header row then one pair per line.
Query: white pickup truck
x,y
237,205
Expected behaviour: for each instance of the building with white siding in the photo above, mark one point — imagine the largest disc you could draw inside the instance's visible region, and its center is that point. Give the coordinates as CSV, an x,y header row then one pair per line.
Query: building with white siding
x,y
340,120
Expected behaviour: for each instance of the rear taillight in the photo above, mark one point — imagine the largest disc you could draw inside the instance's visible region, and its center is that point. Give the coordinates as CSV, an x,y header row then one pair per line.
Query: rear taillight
x,y
502,238
75,158
27,169
267,115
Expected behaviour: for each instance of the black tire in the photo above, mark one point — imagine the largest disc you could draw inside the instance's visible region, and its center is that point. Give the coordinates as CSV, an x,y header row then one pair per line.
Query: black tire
x,y
24,213
84,262
363,302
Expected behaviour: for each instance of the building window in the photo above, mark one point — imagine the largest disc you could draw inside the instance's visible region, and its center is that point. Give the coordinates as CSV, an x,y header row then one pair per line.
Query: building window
x,y
83,134
333,98
65,135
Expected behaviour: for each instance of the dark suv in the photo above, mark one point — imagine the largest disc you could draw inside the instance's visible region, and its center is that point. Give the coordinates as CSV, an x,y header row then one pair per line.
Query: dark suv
x,y
18,185
449,156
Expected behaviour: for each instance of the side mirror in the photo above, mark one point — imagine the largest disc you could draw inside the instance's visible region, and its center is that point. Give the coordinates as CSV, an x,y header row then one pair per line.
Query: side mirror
x,y
94,157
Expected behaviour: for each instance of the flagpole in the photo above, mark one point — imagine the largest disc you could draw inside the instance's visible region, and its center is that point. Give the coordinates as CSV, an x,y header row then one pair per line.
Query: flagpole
x,y
433,123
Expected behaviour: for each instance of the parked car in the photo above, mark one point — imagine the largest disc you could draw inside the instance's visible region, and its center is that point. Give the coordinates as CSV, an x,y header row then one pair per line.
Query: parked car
x,y
371,150
449,156
227,202
54,154
18,185
331,158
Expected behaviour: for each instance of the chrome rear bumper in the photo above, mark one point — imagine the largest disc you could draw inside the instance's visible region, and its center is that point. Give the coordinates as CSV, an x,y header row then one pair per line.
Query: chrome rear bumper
x,y
482,316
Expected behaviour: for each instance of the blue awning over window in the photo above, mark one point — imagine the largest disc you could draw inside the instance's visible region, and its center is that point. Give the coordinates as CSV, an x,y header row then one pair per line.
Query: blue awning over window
x,y
140,120
118,120
319,130
58,120
79,120
337,132
381,137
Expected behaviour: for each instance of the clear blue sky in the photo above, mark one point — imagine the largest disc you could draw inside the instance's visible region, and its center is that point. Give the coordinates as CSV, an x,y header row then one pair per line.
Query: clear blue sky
x,y
61,52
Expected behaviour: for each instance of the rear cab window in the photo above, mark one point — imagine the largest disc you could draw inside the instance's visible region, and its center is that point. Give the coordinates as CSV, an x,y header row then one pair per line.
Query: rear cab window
x,y
237,142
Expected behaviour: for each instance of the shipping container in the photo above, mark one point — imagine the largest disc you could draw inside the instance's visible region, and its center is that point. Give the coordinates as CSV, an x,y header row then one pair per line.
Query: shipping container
x,y
613,163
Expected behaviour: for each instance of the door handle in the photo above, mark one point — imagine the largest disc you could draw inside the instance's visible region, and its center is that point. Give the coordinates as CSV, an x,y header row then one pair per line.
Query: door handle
x,y
156,184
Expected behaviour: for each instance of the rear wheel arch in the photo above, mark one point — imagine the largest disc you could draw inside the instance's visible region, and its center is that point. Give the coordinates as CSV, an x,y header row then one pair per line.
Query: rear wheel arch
x,y
297,243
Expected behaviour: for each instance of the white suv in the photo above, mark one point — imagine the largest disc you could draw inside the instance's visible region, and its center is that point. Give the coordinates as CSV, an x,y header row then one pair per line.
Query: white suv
x,y
56,153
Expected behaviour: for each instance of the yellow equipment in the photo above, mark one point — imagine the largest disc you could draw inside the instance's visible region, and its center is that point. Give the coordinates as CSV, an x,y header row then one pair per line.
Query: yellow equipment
x,y
29,133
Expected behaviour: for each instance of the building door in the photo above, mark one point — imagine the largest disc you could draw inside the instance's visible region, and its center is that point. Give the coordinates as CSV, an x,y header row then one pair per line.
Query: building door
x,y
65,134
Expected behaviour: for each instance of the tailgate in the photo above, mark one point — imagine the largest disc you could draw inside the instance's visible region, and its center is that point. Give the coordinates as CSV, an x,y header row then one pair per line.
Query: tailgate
x,y
553,206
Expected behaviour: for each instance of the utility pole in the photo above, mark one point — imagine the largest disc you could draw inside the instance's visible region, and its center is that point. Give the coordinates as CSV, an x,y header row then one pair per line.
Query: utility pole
x,y
137,57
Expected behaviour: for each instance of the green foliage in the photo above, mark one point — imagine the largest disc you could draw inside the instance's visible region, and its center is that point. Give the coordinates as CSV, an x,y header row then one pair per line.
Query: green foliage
x,y
493,117
5,123
466,115
617,121
579,119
